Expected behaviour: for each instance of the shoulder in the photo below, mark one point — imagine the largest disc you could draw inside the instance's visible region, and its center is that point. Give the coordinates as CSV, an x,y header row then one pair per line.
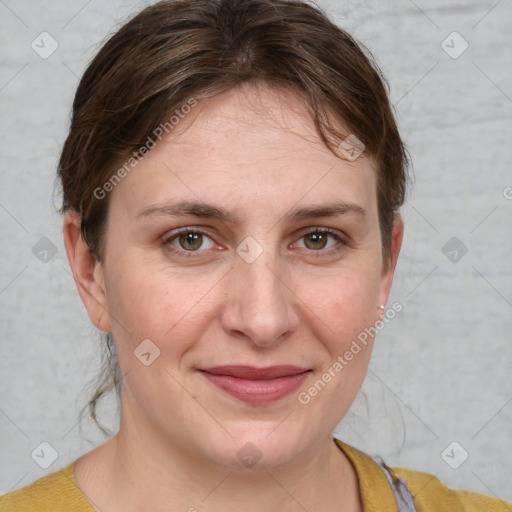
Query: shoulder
x,y
57,491
427,491
430,495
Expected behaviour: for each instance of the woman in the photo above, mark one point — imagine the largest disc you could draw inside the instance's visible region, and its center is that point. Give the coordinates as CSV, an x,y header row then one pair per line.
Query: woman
x,y
232,181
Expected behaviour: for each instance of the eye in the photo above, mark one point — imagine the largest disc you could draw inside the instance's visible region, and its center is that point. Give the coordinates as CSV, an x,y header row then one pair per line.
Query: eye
x,y
188,240
321,240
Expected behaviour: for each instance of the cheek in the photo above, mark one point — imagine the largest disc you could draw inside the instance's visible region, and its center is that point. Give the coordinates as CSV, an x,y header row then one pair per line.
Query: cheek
x,y
343,313
165,305
343,304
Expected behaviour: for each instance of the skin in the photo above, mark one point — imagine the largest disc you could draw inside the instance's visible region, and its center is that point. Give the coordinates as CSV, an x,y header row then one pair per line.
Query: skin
x,y
254,152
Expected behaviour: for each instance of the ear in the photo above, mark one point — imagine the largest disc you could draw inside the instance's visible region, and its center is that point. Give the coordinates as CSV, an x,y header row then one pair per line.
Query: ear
x,y
388,268
87,272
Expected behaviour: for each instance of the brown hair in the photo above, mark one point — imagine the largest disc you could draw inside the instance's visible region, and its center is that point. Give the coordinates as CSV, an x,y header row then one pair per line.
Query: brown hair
x,y
176,50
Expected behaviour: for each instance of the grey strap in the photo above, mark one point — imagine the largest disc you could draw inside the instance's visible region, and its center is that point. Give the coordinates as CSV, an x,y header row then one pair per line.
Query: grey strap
x,y
403,497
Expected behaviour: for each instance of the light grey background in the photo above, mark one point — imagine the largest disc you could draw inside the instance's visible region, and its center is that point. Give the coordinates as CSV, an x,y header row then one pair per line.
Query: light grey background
x,y
441,369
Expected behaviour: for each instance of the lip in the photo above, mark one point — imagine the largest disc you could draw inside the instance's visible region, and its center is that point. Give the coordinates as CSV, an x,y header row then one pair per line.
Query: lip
x,y
257,385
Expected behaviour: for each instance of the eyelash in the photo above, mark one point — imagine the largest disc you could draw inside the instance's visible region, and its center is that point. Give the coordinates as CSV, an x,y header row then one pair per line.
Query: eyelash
x,y
194,254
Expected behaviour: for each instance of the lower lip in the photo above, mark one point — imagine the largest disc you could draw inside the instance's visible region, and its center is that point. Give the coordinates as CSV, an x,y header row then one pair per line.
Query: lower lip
x,y
258,391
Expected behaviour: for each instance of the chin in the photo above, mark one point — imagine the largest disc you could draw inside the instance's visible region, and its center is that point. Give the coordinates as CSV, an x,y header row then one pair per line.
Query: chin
x,y
256,450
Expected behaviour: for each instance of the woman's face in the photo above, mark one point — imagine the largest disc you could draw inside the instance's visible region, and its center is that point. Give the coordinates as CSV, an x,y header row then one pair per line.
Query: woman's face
x,y
256,283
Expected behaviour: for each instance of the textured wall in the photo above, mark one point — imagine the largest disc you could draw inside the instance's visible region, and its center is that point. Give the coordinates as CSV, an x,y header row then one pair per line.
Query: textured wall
x,y
441,369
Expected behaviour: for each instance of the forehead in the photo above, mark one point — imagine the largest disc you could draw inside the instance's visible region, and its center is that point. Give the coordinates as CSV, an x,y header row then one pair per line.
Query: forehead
x,y
249,146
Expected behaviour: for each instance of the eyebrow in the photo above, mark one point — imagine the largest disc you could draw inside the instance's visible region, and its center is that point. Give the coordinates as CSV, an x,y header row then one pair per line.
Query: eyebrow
x,y
211,211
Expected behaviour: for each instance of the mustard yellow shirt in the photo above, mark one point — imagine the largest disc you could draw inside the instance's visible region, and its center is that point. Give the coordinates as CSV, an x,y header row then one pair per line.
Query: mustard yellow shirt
x,y
59,492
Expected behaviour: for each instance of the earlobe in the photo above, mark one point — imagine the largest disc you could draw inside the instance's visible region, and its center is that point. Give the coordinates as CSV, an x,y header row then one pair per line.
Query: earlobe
x,y
87,272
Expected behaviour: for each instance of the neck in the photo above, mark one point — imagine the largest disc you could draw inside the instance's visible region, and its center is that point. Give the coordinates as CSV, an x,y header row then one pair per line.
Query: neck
x,y
139,469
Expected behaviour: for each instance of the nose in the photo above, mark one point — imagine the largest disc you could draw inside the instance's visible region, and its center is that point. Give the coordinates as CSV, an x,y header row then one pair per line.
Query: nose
x,y
260,305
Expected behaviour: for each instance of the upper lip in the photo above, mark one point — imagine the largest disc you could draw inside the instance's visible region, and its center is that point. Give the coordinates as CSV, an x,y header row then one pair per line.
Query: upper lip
x,y
253,373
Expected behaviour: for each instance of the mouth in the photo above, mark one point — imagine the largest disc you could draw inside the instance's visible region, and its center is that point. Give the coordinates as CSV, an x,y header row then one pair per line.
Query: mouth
x,y
257,385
